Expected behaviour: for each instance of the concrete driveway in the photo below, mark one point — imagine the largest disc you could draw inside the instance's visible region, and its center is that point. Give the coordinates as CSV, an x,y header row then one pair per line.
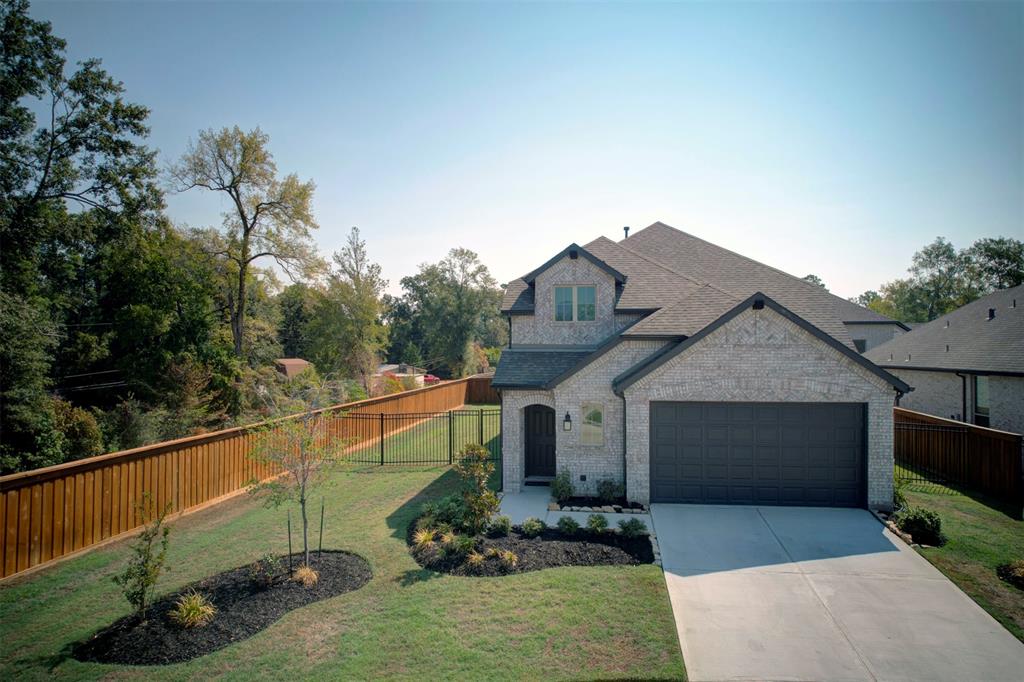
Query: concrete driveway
x,y
784,593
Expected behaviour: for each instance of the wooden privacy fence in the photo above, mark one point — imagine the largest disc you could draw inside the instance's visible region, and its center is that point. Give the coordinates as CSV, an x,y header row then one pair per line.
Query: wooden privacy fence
x,y
945,451
49,513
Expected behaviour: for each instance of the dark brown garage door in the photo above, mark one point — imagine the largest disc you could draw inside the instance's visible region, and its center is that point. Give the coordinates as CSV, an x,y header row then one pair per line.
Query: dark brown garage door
x,y
758,453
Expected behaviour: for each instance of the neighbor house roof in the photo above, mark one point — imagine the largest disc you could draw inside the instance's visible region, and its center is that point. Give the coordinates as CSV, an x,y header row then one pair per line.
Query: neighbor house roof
x,y
536,367
291,367
637,372
689,280
964,340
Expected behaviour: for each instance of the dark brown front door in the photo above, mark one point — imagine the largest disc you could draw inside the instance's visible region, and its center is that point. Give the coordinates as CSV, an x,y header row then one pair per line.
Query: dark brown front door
x,y
540,441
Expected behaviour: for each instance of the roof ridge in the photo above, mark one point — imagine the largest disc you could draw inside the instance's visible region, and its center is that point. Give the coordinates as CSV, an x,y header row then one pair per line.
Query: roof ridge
x,y
658,223
649,260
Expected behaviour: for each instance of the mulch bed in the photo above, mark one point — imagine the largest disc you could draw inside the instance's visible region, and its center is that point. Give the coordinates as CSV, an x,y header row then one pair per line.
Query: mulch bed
x,y
1007,573
242,611
548,550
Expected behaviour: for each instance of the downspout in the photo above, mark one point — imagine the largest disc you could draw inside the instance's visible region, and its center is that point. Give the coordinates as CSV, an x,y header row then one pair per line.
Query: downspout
x,y
509,331
963,396
899,394
625,421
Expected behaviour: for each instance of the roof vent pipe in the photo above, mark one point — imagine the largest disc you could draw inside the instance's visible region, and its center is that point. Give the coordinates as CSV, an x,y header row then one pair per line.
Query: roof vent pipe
x,y
626,230
991,313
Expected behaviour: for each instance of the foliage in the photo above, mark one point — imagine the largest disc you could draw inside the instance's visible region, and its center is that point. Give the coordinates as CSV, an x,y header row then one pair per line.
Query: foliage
x,y
899,497
424,537
459,545
561,486
597,523
568,525
815,280
450,510
608,490
923,525
532,527
297,303
390,384
493,355
192,610
148,553
270,216
448,311
305,576
500,526
475,559
475,467
943,279
304,448
632,528
264,571
509,559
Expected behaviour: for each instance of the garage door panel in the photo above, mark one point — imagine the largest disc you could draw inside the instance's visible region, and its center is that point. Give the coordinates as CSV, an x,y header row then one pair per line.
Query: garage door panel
x,y
758,453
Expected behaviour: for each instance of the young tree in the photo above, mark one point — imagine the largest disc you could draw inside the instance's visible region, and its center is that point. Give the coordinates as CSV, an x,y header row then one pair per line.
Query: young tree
x,y
269,217
139,577
303,447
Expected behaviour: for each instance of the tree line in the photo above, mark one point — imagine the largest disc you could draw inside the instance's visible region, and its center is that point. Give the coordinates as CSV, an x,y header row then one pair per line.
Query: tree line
x,y
119,328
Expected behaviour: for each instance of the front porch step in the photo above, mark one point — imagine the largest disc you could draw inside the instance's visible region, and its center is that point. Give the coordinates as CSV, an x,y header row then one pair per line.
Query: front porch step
x,y
538,480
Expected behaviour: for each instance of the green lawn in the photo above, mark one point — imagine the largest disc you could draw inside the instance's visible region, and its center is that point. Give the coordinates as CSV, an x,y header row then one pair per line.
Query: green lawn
x,y
980,538
427,441
596,622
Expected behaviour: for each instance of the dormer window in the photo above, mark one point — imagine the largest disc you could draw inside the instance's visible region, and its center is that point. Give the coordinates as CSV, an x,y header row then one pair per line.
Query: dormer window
x,y
575,304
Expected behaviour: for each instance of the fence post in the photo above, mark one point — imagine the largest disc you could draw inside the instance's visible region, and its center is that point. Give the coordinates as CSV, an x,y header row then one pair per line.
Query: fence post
x,y
382,439
482,427
451,436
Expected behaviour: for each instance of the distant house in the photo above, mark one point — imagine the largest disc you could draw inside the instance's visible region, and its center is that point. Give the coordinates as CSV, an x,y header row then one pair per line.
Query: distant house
x,y
401,371
967,365
291,367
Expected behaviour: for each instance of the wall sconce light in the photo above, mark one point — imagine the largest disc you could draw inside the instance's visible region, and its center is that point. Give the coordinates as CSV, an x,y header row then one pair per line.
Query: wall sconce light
x,y
567,423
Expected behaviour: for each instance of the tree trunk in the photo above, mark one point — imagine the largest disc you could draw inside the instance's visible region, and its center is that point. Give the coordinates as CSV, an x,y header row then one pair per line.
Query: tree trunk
x,y
305,529
238,314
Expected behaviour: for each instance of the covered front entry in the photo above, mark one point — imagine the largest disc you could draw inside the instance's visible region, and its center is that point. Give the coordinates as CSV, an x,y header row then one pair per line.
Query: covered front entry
x,y
809,454
540,440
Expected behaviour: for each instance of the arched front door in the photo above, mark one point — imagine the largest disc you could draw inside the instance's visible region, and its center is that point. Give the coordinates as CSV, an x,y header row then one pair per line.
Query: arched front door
x,y
540,441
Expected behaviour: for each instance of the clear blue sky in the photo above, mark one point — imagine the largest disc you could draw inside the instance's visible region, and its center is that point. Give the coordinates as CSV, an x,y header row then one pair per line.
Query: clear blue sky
x,y
828,138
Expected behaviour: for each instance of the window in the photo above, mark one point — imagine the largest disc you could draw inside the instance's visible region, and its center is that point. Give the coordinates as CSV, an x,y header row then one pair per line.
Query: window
x,y
861,345
592,431
981,405
563,304
577,304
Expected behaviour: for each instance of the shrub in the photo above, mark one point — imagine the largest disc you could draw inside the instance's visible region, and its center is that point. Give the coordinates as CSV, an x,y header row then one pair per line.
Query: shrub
x,y
924,525
475,559
460,545
508,558
561,486
192,610
899,499
500,526
424,537
448,537
532,527
305,576
1012,573
475,467
597,523
450,510
608,490
426,521
139,577
264,571
632,528
568,526
492,552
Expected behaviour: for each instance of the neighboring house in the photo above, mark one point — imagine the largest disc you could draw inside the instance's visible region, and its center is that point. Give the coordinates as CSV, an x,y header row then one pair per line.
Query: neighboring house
x,y
291,367
692,374
967,365
400,371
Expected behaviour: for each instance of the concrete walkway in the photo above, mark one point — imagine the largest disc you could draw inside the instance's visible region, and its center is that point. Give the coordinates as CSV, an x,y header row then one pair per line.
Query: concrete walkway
x,y
533,501
782,593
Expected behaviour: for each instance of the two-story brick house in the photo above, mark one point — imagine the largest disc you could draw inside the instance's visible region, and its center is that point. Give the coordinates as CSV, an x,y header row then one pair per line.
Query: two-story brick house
x,y
692,374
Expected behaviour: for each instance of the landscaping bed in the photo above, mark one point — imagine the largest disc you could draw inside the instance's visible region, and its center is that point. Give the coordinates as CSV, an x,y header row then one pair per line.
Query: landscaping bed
x,y
243,609
594,504
550,549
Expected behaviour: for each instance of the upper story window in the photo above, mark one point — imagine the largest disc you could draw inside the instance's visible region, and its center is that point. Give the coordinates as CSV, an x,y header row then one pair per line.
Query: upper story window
x,y
575,304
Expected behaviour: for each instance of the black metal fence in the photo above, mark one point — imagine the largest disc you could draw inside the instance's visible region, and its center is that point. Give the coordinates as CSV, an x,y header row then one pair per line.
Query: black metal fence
x,y
420,438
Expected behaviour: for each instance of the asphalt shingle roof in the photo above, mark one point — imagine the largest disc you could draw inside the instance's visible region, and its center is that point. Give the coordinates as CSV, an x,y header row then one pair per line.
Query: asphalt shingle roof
x,y
533,368
974,342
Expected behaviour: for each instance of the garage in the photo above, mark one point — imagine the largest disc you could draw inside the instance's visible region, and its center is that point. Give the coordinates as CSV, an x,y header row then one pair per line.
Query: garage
x,y
801,454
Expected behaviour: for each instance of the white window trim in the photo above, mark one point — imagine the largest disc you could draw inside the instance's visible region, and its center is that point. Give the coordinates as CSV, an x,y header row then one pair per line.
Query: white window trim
x,y
575,304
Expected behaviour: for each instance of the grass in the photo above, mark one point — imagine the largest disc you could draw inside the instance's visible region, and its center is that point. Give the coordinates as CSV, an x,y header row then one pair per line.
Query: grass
x,y
427,442
980,537
408,622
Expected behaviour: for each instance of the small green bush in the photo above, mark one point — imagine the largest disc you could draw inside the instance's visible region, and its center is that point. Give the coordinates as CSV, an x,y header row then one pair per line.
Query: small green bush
x,y
500,526
561,487
509,559
149,552
597,523
608,490
264,571
532,527
632,528
450,510
480,503
192,610
924,525
459,545
568,526
899,499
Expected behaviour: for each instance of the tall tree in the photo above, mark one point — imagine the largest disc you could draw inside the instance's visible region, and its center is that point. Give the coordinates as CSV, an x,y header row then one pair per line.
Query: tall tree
x,y
997,263
297,304
347,333
269,217
815,280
